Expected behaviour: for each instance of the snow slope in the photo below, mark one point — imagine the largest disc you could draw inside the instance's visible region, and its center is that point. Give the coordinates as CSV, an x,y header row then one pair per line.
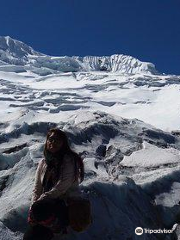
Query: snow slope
x,y
103,140
146,97
112,109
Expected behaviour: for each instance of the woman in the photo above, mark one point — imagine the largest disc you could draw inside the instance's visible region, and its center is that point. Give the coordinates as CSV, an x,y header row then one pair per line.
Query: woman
x,y
56,182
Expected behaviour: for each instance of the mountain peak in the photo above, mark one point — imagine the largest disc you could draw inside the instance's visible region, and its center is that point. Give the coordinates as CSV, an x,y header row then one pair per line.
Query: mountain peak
x,y
14,46
15,52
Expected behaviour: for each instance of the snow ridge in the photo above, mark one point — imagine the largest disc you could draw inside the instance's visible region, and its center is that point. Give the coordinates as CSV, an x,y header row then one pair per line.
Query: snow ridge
x,y
14,51
118,63
18,53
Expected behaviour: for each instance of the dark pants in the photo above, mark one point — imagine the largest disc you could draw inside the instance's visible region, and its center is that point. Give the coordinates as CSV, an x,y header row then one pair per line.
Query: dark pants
x,y
42,210
38,232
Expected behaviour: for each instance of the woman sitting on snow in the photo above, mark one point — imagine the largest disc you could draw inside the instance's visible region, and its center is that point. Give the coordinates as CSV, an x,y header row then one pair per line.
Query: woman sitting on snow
x,y
56,185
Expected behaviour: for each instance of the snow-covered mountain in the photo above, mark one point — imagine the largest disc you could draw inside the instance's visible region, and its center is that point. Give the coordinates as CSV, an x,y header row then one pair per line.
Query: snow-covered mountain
x,y
113,110
117,63
14,52
17,53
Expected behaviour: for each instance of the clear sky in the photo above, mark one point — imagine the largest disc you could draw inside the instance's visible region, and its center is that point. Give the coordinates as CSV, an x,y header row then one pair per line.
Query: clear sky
x,y
146,29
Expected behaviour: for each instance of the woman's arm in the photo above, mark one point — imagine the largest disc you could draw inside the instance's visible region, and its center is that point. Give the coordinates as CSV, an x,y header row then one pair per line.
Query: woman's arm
x,y
65,182
37,191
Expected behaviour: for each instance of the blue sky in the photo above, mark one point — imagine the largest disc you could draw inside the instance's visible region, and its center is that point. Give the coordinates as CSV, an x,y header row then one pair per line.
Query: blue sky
x,y
148,30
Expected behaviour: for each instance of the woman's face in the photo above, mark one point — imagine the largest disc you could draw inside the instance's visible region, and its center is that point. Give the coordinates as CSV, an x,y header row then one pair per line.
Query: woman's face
x,y
54,143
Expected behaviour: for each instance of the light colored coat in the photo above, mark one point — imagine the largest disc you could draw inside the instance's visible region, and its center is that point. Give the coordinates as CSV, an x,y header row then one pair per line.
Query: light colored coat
x,y
67,185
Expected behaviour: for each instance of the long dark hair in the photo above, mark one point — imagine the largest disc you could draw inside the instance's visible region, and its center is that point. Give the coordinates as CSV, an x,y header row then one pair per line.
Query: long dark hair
x,y
79,166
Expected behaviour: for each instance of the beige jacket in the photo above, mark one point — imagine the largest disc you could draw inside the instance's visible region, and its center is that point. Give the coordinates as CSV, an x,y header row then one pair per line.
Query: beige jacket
x,y
67,186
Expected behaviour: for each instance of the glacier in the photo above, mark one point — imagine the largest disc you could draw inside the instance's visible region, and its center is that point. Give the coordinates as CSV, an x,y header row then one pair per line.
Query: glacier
x,y
120,114
13,52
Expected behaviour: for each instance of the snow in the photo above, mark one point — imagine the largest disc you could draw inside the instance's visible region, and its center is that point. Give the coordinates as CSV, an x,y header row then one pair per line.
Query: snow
x,y
17,53
112,93
87,130
5,233
117,63
151,156
118,113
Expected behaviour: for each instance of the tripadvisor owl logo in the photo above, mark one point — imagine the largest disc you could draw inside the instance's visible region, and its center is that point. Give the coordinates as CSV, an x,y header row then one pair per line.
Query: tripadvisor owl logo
x,y
138,231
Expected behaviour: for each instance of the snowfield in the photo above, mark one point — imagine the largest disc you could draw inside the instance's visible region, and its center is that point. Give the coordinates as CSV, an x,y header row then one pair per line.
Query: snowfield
x,y
120,114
